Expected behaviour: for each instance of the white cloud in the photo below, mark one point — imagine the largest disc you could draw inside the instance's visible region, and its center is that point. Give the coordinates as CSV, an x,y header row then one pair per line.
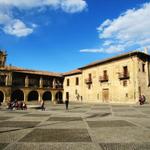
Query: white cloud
x,y
15,26
73,6
104,24
28,4
130,29
91,50
70,6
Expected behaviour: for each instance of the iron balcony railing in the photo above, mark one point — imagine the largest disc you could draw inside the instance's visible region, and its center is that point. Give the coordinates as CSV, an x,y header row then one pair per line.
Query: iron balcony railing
x,y
103,78
122,76
88,81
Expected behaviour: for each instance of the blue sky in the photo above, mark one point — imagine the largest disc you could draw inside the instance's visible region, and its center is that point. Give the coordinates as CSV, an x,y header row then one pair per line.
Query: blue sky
x,y
61,35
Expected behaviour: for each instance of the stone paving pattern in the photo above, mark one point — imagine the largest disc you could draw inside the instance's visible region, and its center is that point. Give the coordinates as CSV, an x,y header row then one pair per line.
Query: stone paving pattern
x,y
82,127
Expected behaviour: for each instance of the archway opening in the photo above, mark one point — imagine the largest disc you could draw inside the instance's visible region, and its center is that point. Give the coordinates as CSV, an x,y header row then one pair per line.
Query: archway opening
x,y
1,96
59,97
33,95
47,96
17,95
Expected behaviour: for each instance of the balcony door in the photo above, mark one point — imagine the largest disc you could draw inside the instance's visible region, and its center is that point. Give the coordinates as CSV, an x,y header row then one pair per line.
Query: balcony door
x,y
125,71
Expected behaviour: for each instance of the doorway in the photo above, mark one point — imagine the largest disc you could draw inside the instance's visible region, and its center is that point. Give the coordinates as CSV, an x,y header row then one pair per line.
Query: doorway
x,y
105,95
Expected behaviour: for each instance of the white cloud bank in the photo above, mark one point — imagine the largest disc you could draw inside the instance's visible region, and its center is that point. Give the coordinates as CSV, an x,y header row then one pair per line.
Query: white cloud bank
x,y
15,26
130,29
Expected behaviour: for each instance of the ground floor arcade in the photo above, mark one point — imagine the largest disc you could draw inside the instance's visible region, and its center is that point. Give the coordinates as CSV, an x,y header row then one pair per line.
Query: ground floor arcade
x,y
29,95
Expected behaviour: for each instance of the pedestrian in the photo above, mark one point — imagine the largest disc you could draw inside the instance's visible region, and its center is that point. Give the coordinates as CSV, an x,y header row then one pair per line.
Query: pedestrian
x,y
24,106
21,105
66,103
81,98
42,105
142,99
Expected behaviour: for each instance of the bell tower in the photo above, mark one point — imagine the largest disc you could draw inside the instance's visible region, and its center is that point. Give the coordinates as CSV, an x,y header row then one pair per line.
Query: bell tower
x,y
3,56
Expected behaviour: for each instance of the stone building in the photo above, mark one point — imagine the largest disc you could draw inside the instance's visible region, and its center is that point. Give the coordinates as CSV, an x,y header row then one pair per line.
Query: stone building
x,y
120,79
28,85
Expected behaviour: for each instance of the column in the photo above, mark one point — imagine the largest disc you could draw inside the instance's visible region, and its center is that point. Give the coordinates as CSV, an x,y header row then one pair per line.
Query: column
x,y
9,79
26,96
40,97
54,83
6,81
26,81
41,82
53,97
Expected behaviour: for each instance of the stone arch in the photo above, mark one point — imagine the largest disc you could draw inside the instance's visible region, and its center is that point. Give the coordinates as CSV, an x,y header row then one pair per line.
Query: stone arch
x,y
59,97
33,95
1,96
47,96
17,95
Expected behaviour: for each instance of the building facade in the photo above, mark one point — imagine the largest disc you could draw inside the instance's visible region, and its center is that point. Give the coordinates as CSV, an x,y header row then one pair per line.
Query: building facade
x,y
120,79
28,85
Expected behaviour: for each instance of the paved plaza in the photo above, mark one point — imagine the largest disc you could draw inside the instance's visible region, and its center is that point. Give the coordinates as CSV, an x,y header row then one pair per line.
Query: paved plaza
x,y
82,127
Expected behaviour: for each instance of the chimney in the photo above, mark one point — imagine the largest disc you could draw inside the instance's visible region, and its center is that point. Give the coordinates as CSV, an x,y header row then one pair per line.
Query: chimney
x,y
146,50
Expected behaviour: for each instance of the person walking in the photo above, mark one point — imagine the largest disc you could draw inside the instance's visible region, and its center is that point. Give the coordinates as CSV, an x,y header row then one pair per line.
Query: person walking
x,y
42,105
142,99
66,103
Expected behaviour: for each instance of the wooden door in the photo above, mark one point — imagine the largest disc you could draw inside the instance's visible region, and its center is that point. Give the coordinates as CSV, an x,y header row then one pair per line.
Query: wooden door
x,y
105,95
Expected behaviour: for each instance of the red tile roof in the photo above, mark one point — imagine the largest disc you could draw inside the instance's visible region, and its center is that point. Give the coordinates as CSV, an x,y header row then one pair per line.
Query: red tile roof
x,y
114,58
29,71
73,72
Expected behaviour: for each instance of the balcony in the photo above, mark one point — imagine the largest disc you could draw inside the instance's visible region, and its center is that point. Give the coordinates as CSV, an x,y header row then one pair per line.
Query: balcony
x,y
33,83
58,85
88,81
103,78
47,84
18,82
123,76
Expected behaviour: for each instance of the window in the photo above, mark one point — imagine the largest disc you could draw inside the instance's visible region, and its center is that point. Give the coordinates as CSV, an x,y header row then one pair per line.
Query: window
x,y
125,83
77,81
125,71
76,92
126,94
105,74
143,67
89,86
67,82
90,76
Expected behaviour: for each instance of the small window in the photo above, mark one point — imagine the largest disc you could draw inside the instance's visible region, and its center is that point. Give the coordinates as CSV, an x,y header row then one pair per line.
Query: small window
x,y
125,83
77,81
125,70
89,86
68,82
143,67
105,74
76,92
90,76
126,94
